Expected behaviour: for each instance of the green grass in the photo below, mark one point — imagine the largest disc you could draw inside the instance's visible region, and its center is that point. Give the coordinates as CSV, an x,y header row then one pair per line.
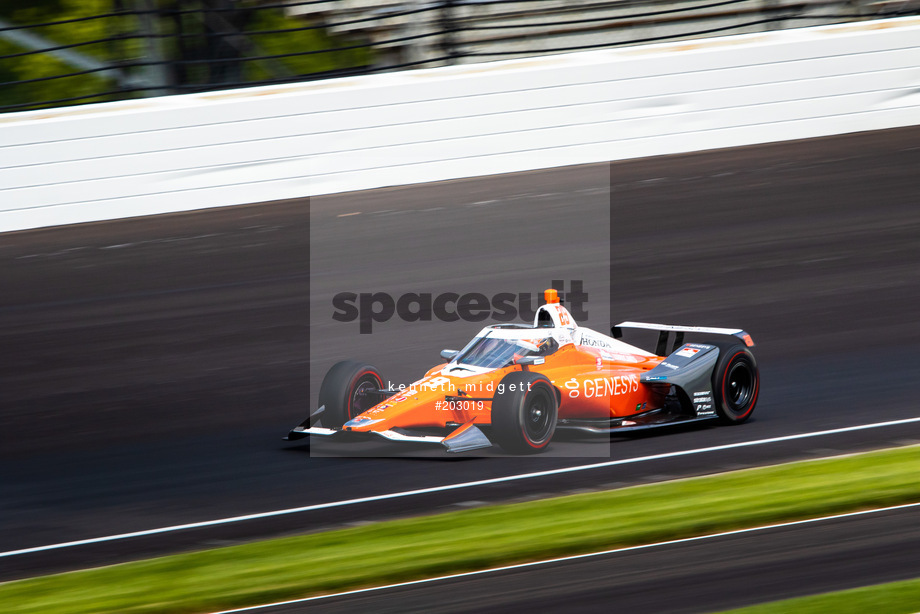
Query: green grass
x,y
474,539
893,598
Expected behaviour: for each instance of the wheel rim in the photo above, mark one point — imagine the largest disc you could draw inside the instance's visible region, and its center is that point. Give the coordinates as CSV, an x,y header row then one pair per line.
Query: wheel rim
x,y
739,385
538,416
364,396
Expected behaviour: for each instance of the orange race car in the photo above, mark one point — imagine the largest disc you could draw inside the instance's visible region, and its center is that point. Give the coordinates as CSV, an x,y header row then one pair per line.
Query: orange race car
x,y
516,385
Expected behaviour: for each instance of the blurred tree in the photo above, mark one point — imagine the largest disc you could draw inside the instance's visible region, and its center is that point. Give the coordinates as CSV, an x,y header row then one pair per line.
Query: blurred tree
x,y
126,48
30,75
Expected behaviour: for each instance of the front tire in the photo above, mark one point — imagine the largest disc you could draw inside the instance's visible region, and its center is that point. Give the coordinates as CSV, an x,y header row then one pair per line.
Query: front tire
x,y
735,384
524,415
349,389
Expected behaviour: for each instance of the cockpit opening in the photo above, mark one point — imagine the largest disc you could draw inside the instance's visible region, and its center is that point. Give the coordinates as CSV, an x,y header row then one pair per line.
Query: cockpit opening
x,y
495,353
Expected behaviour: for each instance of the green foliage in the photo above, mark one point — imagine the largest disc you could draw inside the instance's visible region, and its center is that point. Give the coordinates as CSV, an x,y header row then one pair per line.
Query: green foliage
x,y
892,598
210,53
40,67
283,43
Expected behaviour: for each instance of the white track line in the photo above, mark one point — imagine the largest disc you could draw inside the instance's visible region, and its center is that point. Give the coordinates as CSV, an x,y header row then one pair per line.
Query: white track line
x,y
575,557
447,487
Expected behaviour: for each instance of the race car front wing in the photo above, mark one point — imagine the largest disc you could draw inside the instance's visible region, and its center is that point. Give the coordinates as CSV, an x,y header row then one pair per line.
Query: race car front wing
x,y
462,439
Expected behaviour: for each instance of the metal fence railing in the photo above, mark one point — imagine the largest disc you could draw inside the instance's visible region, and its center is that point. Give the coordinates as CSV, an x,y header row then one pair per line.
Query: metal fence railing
x,y
119,49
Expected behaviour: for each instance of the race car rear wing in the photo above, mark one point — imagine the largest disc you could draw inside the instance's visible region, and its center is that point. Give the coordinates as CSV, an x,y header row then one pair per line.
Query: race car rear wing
x,y
666,329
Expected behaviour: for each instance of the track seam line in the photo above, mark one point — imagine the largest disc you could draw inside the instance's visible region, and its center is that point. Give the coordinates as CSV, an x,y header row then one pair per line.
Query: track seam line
x,y
449,487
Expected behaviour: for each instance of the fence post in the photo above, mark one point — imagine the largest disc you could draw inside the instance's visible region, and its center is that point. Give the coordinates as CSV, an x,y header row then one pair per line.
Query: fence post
x,y
155,71
448,31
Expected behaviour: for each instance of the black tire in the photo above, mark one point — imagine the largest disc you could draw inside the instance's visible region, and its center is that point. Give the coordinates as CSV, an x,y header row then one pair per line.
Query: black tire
x,y
346,392
524,414
735,383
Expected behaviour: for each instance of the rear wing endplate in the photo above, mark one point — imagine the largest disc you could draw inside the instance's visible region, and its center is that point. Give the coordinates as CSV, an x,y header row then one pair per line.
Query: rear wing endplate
x,y
666,329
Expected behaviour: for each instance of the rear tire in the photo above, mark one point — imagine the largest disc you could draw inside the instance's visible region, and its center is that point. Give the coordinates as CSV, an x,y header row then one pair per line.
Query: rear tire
x,y
524,415
735,384
348,390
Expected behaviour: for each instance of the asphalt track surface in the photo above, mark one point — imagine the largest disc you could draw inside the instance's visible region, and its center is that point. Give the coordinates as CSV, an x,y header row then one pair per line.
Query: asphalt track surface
x,y
152,365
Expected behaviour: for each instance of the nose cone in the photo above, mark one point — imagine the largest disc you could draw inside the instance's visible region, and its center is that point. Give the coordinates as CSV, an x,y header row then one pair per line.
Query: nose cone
x,y
416,406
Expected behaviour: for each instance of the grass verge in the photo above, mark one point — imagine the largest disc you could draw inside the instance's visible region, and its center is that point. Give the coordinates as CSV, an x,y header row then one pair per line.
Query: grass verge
x,y
393,551
893,598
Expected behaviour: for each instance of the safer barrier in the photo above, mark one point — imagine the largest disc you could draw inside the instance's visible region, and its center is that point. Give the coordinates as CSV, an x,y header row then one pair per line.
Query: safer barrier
x,y
261,144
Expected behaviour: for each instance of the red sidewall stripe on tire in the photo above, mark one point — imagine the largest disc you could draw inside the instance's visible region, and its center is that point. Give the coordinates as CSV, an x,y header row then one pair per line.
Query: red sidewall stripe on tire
x,y
524,424
756,384
351,396
530,443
